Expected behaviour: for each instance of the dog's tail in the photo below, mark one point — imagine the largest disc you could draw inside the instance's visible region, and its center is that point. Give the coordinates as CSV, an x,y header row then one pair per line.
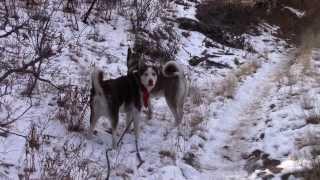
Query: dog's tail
x,y
172,69
96,79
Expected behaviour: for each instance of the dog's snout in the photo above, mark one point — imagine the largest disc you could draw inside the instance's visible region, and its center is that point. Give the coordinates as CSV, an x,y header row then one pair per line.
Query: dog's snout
x,y
150,82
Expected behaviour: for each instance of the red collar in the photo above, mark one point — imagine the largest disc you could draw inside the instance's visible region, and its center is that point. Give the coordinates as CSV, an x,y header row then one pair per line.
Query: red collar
x,y
145,96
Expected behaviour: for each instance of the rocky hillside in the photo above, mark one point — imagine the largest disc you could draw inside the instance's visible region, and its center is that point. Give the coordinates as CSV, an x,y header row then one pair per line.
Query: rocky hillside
x,y
251,112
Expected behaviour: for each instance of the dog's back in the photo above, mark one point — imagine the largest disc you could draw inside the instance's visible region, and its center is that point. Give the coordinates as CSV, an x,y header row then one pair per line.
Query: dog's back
x,y
96,80
123,90
98,102
108,95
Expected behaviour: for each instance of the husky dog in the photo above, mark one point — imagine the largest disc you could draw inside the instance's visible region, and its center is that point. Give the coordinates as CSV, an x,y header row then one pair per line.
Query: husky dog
x,y
171,83
130,91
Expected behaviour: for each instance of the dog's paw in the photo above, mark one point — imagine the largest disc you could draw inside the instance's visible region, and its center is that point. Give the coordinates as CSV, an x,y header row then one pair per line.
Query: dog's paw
x,y
149,115
90,134
114,145
177,123
99,141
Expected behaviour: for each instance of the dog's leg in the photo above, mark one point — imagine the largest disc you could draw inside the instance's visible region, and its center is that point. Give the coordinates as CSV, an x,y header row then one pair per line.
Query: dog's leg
x,y
114,124
96,112
180,112
150,110
180,104
177,101
174,109
136,120
93,120
129,115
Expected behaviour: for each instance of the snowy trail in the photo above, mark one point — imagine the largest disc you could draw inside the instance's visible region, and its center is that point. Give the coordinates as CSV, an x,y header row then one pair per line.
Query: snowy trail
x,y
233,126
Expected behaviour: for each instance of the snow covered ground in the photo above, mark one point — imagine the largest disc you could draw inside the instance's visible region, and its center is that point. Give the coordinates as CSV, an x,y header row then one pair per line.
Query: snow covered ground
x,y
257,129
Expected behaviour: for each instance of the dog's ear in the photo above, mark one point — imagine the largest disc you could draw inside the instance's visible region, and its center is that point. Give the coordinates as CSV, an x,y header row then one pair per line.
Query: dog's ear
x,y
128,57
140,63
131,61
156,69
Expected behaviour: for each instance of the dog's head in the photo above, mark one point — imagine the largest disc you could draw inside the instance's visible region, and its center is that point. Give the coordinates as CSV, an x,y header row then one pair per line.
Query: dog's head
x,y
147,70
148,76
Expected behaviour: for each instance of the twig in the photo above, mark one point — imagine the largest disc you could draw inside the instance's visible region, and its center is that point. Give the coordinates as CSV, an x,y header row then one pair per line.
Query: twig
x,y
124,132
15,119
136,142
87,14
10,132
190,55
138,155
24,67
15,29
108,164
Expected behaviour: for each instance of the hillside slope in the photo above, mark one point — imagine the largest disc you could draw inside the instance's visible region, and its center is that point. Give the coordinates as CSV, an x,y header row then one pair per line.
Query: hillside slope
x,y
251,112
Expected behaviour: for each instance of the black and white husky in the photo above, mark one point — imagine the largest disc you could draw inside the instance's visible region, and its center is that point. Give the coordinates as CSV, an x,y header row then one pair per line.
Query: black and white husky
x,y
171,83
130,92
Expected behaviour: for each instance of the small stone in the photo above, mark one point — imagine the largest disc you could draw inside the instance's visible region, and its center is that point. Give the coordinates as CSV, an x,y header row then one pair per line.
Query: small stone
x,y
272,106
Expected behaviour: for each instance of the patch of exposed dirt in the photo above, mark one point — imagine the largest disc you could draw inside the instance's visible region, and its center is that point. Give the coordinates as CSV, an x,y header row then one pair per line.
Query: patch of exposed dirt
x,y
212,31
312,173
259,160
226,22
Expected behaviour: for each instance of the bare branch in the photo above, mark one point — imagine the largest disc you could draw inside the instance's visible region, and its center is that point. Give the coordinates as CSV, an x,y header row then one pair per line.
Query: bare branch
x,y
26,66
13,30
87,14
108,163
10,132
4,124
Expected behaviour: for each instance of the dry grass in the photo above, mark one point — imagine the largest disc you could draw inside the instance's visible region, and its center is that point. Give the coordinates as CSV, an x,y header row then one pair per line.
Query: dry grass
x,y
72,106
314,172
196,119
296,69
309,138
248,68
313,117
309,173
167,153
307,103
227,86
67,162
304,59
196,96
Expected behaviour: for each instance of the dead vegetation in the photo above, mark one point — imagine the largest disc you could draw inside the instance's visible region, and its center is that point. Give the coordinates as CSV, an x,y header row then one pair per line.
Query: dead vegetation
x,y
67,163
196,95
248,68
310,172
72,107
25,54
222,23
313,117
227,86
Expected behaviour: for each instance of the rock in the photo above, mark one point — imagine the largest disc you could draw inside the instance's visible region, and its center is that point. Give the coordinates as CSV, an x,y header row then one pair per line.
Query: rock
x,y
192,160
195,60
272,106
188,24
185,34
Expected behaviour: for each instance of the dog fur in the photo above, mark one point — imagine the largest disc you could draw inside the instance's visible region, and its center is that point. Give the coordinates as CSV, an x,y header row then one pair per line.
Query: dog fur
x,y
171,84
130,92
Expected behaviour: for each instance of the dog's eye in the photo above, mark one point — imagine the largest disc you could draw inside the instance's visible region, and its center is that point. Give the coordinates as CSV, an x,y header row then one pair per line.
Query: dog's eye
x,y
153,74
